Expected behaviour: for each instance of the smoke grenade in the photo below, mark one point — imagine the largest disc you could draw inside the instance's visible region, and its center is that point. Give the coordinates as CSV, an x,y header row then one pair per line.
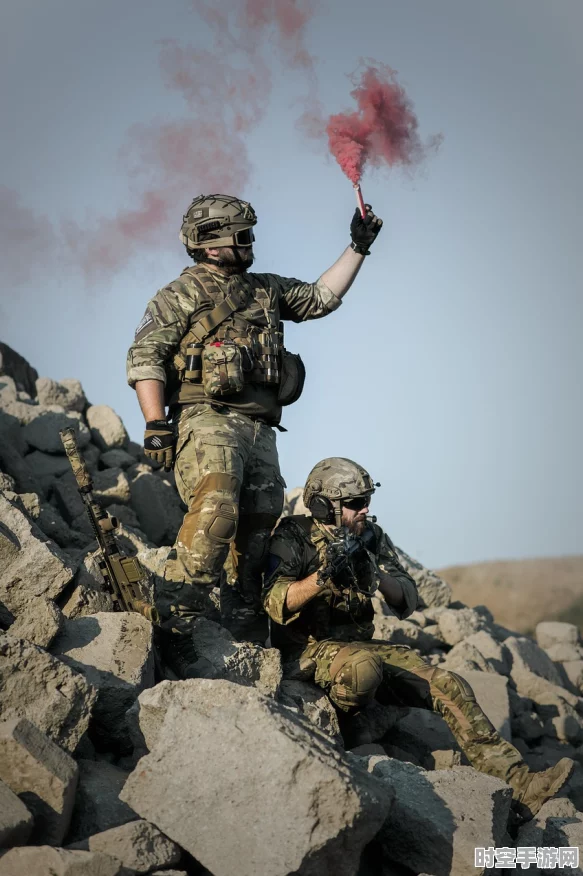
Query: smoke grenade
x,y
382,131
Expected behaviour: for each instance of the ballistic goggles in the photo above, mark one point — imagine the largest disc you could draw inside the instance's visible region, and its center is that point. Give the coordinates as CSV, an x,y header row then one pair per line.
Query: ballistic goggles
x,y
358,504
245,237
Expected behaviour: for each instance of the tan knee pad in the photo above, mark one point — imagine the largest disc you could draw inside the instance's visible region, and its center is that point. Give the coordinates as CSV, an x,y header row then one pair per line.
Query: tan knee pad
x,y
355,676
222,526
213,510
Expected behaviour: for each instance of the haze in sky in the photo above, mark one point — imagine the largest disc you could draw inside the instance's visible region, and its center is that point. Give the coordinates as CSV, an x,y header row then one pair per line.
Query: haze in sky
x,y
453,369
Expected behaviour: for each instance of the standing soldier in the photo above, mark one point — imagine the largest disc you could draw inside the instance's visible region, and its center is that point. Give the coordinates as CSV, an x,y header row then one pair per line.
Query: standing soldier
x,y
321,573
210,348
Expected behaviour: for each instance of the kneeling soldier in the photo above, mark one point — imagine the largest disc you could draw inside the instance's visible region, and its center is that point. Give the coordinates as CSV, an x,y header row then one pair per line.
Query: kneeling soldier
x,y
321,573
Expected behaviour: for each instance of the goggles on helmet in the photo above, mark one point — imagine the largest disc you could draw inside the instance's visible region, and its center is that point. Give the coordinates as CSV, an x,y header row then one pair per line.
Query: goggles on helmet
x,y
245,237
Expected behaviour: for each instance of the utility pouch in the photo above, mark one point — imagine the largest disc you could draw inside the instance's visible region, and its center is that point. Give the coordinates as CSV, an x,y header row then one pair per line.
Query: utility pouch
x,y
222,369
292,378
267,343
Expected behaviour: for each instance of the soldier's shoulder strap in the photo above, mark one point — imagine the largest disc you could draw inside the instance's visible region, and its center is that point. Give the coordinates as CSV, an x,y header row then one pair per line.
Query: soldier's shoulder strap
x,y
291,540
232,301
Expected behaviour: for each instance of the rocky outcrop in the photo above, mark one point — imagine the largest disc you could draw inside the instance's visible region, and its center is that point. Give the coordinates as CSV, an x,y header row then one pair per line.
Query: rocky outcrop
x,y
16,821
242,769
114,653
37,686
43,776
287,768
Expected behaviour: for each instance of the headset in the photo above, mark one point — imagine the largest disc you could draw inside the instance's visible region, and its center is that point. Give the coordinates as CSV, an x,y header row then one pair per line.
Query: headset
x,y
321,509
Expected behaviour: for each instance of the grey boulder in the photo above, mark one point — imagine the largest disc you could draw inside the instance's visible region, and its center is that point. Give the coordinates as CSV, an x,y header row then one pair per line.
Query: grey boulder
x,y
42,433
15,820
39,623
114,652
68,393
138,845
439,818
43,776
196,787
97,805
30,565
47,861
38,686
107,429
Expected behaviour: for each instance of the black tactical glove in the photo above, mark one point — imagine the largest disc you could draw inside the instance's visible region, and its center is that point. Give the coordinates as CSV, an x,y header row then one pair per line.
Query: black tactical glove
x,y
364,231
334,575
159,443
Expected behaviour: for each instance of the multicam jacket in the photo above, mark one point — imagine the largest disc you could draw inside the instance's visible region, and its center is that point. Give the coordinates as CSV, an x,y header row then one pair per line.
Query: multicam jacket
x,y
298,548
159,348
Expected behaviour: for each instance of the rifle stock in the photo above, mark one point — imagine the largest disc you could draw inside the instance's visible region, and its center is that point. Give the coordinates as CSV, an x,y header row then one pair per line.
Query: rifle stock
x,y
124,577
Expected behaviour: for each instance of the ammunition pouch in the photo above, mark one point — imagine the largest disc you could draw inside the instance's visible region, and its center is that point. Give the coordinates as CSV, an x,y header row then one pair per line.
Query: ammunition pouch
x,y
222,369
292,378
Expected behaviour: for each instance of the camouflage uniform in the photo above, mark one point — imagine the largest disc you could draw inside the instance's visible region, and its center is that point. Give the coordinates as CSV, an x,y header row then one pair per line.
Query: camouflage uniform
x,y
227,469
330,642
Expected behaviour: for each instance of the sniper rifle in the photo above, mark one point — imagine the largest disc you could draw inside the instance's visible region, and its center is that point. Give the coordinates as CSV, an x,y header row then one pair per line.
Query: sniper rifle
x,y
125,578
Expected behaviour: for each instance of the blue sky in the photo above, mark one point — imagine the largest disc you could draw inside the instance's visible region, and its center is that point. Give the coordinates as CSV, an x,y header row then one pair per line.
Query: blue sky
x,y
453,369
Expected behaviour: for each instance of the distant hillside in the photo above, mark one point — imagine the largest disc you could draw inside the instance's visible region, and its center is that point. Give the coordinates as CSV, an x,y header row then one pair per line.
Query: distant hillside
x,y
520,593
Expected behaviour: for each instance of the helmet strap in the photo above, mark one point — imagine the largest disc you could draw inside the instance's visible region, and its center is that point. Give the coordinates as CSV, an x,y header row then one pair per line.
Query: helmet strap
x,y
337,505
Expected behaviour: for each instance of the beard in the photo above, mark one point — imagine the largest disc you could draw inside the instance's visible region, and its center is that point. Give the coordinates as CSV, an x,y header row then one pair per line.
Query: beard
x,y
357,526
234,260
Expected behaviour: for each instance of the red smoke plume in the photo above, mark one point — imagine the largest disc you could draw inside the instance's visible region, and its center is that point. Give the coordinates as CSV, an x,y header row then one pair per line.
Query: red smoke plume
x,y
226,89
383,131
27,237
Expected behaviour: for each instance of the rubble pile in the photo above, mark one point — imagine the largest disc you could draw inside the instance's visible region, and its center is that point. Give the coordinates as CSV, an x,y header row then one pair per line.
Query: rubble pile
x,y
108,770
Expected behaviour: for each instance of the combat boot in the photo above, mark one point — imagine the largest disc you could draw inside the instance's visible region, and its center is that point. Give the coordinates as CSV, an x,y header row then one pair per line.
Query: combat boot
x,y
355,729
531,790
180,656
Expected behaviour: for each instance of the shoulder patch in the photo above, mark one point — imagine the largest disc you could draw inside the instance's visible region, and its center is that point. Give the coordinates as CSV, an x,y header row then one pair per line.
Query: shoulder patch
x,y
144,326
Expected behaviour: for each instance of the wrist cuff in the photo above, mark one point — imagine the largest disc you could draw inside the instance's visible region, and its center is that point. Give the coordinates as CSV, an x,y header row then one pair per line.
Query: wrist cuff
x,y
157,424
359,248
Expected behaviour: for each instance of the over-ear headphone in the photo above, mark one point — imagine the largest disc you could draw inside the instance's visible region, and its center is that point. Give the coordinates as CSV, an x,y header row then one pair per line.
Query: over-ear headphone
x,y
321,509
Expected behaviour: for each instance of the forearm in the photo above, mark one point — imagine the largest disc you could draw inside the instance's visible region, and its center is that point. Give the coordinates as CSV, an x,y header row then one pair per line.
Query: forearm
x,y
301,592
151,399
340,276
392,592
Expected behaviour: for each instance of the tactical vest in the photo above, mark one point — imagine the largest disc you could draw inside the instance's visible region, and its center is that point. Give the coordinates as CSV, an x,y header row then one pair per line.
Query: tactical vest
x,y
237,341
343,617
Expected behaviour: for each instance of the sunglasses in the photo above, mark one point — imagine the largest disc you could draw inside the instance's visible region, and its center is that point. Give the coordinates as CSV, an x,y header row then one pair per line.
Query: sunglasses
x,y
358,504
244,237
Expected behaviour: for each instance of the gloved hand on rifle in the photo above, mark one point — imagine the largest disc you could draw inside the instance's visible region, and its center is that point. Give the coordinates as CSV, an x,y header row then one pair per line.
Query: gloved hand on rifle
x,y
159,443
335,574
364,231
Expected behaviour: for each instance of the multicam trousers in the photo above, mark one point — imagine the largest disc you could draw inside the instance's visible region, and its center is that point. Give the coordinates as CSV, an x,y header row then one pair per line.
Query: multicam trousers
x,y
227,473
355,673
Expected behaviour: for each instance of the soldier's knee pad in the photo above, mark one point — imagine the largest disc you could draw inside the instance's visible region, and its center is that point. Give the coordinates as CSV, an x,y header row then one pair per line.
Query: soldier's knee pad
x,y
222,526
357,679
452,684
213,511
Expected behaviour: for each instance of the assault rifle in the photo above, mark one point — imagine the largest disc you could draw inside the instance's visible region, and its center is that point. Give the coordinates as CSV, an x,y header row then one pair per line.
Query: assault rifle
x,y
124,577
340,553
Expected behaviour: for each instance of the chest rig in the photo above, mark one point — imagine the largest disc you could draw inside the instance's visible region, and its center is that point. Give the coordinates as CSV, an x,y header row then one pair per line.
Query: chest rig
x,y
351,605
241,313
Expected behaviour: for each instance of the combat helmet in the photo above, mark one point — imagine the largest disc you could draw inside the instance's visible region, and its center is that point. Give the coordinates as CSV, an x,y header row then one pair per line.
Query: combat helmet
x,y
218,220
333,482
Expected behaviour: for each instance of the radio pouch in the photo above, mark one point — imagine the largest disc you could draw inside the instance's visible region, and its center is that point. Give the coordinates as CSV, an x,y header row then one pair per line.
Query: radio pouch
x,y
292,379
